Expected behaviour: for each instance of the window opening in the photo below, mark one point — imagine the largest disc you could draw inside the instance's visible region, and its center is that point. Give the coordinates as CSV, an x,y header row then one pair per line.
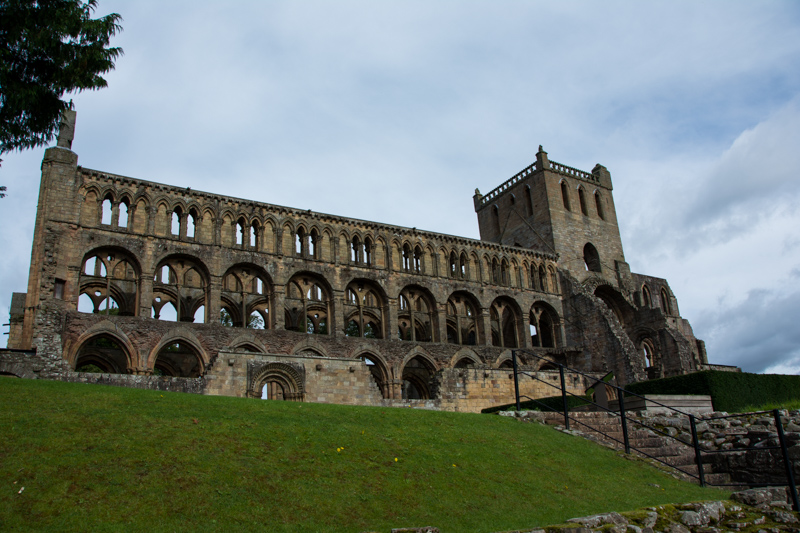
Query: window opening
x,y
565,195
599,204
582,199
123,215
191,222
106,214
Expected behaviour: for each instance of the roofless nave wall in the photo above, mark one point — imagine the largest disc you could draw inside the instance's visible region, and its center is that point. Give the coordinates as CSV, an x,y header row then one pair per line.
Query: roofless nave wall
x,y
140,278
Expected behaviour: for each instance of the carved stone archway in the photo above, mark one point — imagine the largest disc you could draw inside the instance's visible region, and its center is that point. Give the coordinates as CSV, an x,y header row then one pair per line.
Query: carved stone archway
x,y
285,381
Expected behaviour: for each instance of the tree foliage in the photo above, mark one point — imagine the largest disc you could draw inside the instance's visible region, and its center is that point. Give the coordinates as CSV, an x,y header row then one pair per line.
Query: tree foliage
x,y
48,48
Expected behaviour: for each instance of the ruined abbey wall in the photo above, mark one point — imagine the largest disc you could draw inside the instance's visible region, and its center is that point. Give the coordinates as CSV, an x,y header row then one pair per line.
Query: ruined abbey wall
x,y
139,278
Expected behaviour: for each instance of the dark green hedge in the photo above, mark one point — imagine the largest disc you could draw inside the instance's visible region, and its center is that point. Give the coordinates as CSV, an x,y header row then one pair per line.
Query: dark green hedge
x,y
552,403
729,391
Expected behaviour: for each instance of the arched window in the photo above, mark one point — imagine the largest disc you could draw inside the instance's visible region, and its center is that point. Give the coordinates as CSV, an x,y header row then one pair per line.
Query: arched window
x,y
553,281
178,359
598,202
463,266
647,300
363,310
241,232
300,243
591,258
245,298
109,284
102,353
496,213
495,272
191,224
368,245
407,258
253,240
356,251
665,302
462,320
179,289
543,326
542,279
453,265
314,244
504,277
415,316
107,207
504,321
122,220
175,226
565,195
418,260
307,305
417,376
582,198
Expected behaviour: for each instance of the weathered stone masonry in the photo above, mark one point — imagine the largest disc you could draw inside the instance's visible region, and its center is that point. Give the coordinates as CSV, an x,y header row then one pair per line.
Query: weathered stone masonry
x,y
134,277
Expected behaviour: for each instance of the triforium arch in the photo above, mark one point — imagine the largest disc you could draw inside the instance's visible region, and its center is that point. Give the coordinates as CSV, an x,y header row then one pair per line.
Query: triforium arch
x,y
308,304
103,352
545,326
109,282
178,356
617,303
181,282
504,316
276,381
364,310
416,314
379,371
465,358
418,373
246,297
463,319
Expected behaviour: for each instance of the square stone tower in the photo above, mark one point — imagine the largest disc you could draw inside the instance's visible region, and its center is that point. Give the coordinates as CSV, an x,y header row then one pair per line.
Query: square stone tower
x,y
554,208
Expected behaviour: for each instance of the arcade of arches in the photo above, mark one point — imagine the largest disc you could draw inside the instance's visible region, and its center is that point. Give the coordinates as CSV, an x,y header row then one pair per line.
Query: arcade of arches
x,y
156,285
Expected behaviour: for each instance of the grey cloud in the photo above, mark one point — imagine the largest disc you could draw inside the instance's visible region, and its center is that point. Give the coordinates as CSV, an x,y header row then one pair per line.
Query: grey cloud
x,y
758,333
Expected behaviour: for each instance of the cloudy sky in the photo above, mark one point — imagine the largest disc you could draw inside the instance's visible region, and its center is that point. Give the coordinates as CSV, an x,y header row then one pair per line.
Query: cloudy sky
x,y
397,111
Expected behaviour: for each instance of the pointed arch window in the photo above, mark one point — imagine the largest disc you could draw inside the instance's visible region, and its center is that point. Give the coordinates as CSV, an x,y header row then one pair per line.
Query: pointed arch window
x,y
582,199
363,311
418,260
598,202
415,316
106,209
175,222
462,324
565,195
647,300
122,217
307,305
191,224
665,302
407,258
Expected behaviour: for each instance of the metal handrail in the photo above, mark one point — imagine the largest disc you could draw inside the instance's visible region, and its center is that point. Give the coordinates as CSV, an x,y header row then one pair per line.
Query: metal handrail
x,y
624,418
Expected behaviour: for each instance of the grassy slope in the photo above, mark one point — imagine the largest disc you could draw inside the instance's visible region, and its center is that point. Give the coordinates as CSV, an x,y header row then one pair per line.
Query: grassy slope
x,y
110,459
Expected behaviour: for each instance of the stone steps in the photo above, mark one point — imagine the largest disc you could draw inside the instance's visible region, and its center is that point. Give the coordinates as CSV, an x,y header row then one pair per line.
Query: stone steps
x,y
607,429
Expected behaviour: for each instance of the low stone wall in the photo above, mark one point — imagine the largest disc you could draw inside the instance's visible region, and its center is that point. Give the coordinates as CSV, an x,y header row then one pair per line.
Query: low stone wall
x,y
189,385
762,510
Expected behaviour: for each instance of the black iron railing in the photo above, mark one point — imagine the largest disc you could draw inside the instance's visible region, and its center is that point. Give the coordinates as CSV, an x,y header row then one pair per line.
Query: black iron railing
x,y
624,418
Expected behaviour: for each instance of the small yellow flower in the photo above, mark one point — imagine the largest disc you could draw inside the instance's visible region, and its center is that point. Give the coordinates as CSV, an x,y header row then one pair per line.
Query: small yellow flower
x,y
395,459
454,466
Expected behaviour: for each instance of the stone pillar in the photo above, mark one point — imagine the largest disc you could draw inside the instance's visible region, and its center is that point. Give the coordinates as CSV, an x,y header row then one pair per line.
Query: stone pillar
x,y
278,305
146,294
213,299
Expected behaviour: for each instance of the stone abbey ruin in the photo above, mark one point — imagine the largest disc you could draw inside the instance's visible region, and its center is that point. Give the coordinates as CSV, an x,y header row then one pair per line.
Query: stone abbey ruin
x,y
156,286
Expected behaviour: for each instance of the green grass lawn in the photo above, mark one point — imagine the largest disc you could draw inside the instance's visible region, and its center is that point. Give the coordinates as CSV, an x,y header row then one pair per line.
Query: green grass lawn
x,y
100,458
